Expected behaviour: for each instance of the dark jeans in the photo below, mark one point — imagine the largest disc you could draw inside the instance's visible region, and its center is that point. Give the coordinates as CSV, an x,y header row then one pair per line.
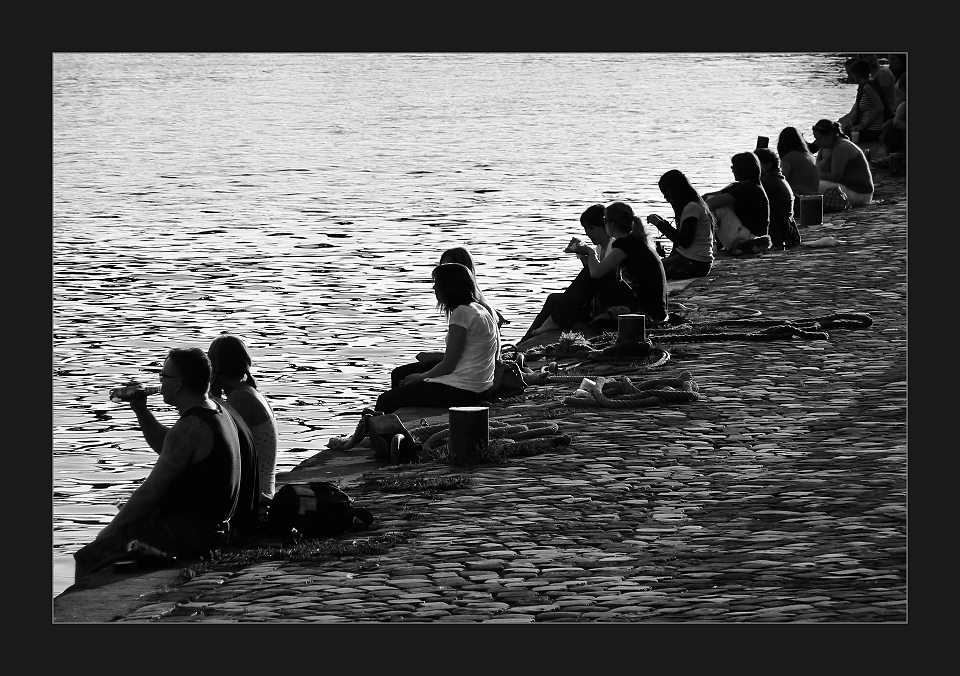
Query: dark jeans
x,y
576,304
678,266
177,536
436,395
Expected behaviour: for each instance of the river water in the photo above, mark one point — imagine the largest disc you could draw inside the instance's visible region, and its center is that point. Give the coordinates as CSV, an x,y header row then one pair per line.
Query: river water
x,y
301,201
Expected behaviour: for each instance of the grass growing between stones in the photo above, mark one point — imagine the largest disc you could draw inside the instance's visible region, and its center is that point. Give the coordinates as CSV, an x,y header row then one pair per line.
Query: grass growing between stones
x,y
417,483
307,549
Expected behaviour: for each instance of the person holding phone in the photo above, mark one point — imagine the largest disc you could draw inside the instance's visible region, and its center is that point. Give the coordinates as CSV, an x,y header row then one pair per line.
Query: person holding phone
x,y
692,254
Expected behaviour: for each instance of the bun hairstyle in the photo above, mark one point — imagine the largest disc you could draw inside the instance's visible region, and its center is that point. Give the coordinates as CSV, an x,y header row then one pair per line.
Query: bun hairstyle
x,y
230,358
829,127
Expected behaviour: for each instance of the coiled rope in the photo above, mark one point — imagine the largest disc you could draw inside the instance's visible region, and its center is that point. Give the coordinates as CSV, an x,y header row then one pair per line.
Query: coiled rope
x,y
506,440
622,393
441,437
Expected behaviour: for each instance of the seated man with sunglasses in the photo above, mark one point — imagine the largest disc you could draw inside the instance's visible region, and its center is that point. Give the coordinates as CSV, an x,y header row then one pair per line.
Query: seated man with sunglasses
x,y
185,504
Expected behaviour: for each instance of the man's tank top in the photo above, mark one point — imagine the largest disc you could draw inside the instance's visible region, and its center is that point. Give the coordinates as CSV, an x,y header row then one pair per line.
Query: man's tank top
x,y
209,489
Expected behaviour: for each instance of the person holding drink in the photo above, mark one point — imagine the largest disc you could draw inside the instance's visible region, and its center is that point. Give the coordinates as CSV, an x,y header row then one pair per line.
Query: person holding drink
x,y
184,506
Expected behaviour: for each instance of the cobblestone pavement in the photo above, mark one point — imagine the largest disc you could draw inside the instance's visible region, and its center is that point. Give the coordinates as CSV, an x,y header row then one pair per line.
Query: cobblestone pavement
x,y
779,496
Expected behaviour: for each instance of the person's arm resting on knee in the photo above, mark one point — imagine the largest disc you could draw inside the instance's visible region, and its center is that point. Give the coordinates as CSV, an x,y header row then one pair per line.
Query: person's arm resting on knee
x,y
187,437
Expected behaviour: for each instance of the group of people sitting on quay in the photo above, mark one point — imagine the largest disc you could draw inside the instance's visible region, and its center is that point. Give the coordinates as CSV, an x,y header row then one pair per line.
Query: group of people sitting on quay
x,y
216,467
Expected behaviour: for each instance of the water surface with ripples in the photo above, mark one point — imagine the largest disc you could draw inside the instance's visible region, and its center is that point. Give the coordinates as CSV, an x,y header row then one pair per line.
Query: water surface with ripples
x,y
301,201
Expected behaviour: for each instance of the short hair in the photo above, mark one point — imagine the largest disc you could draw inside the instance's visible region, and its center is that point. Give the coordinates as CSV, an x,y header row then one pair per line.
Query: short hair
x,y
860,68
228,357
592,217
194,367
460,255
767,156
456,286
747,166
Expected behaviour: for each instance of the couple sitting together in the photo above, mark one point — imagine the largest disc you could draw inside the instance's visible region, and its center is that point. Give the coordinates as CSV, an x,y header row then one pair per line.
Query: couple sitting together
x,y
622,273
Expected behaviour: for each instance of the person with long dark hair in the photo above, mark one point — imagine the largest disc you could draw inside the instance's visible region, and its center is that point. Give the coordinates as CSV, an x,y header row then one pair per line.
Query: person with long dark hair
x,y
797,163
692,254
465,373
461,255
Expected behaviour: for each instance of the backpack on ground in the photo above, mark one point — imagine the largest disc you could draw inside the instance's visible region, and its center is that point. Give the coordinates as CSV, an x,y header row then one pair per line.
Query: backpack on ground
x,y
507,381
315,509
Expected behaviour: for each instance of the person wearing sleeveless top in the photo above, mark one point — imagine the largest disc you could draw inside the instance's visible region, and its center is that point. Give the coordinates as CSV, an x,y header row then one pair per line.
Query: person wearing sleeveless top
x,y
842,164
231,363
185,504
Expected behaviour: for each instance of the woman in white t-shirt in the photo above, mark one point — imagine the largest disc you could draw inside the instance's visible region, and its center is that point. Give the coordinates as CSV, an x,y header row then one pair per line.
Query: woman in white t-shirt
x,y
465,373
692,254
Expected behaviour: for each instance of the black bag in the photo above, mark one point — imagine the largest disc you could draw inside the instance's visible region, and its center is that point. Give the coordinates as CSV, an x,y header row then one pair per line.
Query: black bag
x,y
314,510
507,381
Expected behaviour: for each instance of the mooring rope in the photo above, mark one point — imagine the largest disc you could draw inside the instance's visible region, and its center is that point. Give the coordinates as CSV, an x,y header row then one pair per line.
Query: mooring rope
x,y
776,329
437,440
623,393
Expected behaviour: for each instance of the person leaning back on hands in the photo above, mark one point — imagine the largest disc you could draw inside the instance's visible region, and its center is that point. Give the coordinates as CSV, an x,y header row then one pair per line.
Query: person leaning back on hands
x,y
185,504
